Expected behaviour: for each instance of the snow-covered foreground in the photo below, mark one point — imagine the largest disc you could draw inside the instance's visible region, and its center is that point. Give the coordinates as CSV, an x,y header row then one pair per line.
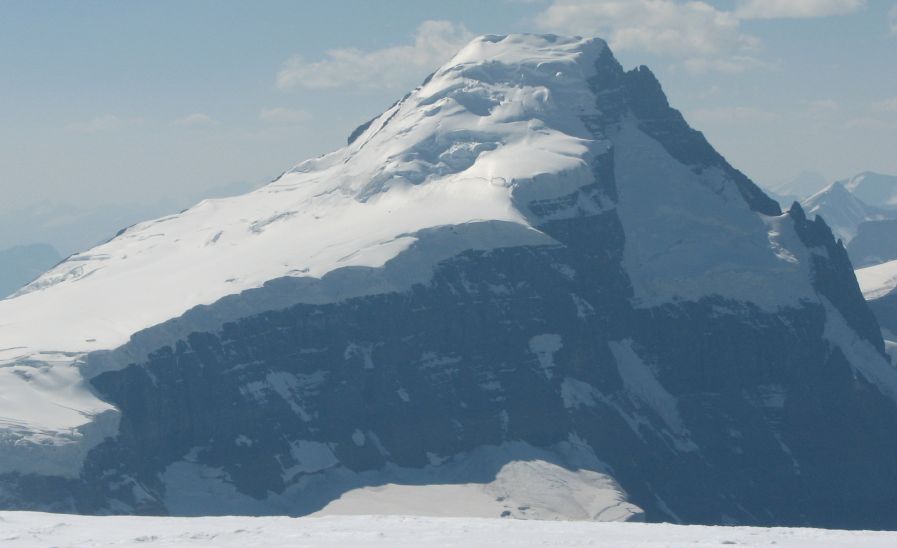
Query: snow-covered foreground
x,y
38,529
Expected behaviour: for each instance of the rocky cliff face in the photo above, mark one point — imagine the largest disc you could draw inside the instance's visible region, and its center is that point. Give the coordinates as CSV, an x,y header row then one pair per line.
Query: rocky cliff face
x,y
654,321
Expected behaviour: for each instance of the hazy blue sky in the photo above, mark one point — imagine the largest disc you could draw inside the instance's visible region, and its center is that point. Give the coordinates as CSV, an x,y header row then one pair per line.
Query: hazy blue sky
x,y
126,102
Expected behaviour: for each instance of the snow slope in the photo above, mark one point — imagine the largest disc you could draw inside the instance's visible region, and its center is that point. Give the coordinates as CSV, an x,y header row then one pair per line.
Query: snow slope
x,y
877,281
452,153
31,529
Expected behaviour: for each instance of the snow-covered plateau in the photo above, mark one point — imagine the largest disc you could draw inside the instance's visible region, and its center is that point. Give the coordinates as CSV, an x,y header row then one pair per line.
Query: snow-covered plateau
x,y
527,289
32,529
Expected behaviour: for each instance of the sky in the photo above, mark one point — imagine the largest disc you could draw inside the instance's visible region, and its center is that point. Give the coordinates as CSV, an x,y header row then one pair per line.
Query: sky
x,y
142,107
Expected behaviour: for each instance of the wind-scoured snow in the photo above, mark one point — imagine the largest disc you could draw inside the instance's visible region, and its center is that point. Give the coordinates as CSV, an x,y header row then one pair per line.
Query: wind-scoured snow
x,y
33,529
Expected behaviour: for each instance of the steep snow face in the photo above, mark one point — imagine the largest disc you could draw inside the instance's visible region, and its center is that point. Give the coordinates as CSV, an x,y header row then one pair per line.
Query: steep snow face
x,y
842,210
689,235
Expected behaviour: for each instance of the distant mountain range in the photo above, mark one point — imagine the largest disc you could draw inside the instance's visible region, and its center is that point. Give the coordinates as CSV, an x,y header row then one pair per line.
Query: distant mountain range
x,y
843,211
804,184
875,189
874,243
860,210
70,229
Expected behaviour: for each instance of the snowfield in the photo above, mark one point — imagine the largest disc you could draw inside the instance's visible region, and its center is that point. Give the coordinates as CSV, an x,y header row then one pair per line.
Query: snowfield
x,y
28,529
877,281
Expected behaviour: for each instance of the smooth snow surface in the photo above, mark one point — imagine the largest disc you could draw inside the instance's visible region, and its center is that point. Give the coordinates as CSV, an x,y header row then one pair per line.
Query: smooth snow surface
x,y
32,529
515,479
522,489
877,281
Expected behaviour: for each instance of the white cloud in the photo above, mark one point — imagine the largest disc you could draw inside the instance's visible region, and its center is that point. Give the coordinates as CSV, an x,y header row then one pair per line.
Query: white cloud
x,y
105,122
733,64
822,107
281,115
892,19
887,105
434,43
730,115
197,119
777,9
704,37
866,123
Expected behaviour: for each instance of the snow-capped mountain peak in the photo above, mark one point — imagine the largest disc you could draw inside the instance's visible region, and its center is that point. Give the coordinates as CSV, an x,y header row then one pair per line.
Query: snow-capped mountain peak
x,y
530,257
499,119
842,210
876,189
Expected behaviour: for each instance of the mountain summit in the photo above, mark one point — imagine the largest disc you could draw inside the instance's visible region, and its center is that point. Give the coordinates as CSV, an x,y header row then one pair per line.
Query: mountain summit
x,y
527,289
842,210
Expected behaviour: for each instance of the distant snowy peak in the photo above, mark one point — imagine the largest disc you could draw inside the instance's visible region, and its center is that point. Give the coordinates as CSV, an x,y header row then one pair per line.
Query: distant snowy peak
x,y
842,210
875,189
803,185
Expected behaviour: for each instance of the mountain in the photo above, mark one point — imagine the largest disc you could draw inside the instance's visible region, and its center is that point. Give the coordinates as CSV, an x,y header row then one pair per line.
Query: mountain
x,y
878,284
842,210
874,243
805,184
527,289
22,264
873,188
